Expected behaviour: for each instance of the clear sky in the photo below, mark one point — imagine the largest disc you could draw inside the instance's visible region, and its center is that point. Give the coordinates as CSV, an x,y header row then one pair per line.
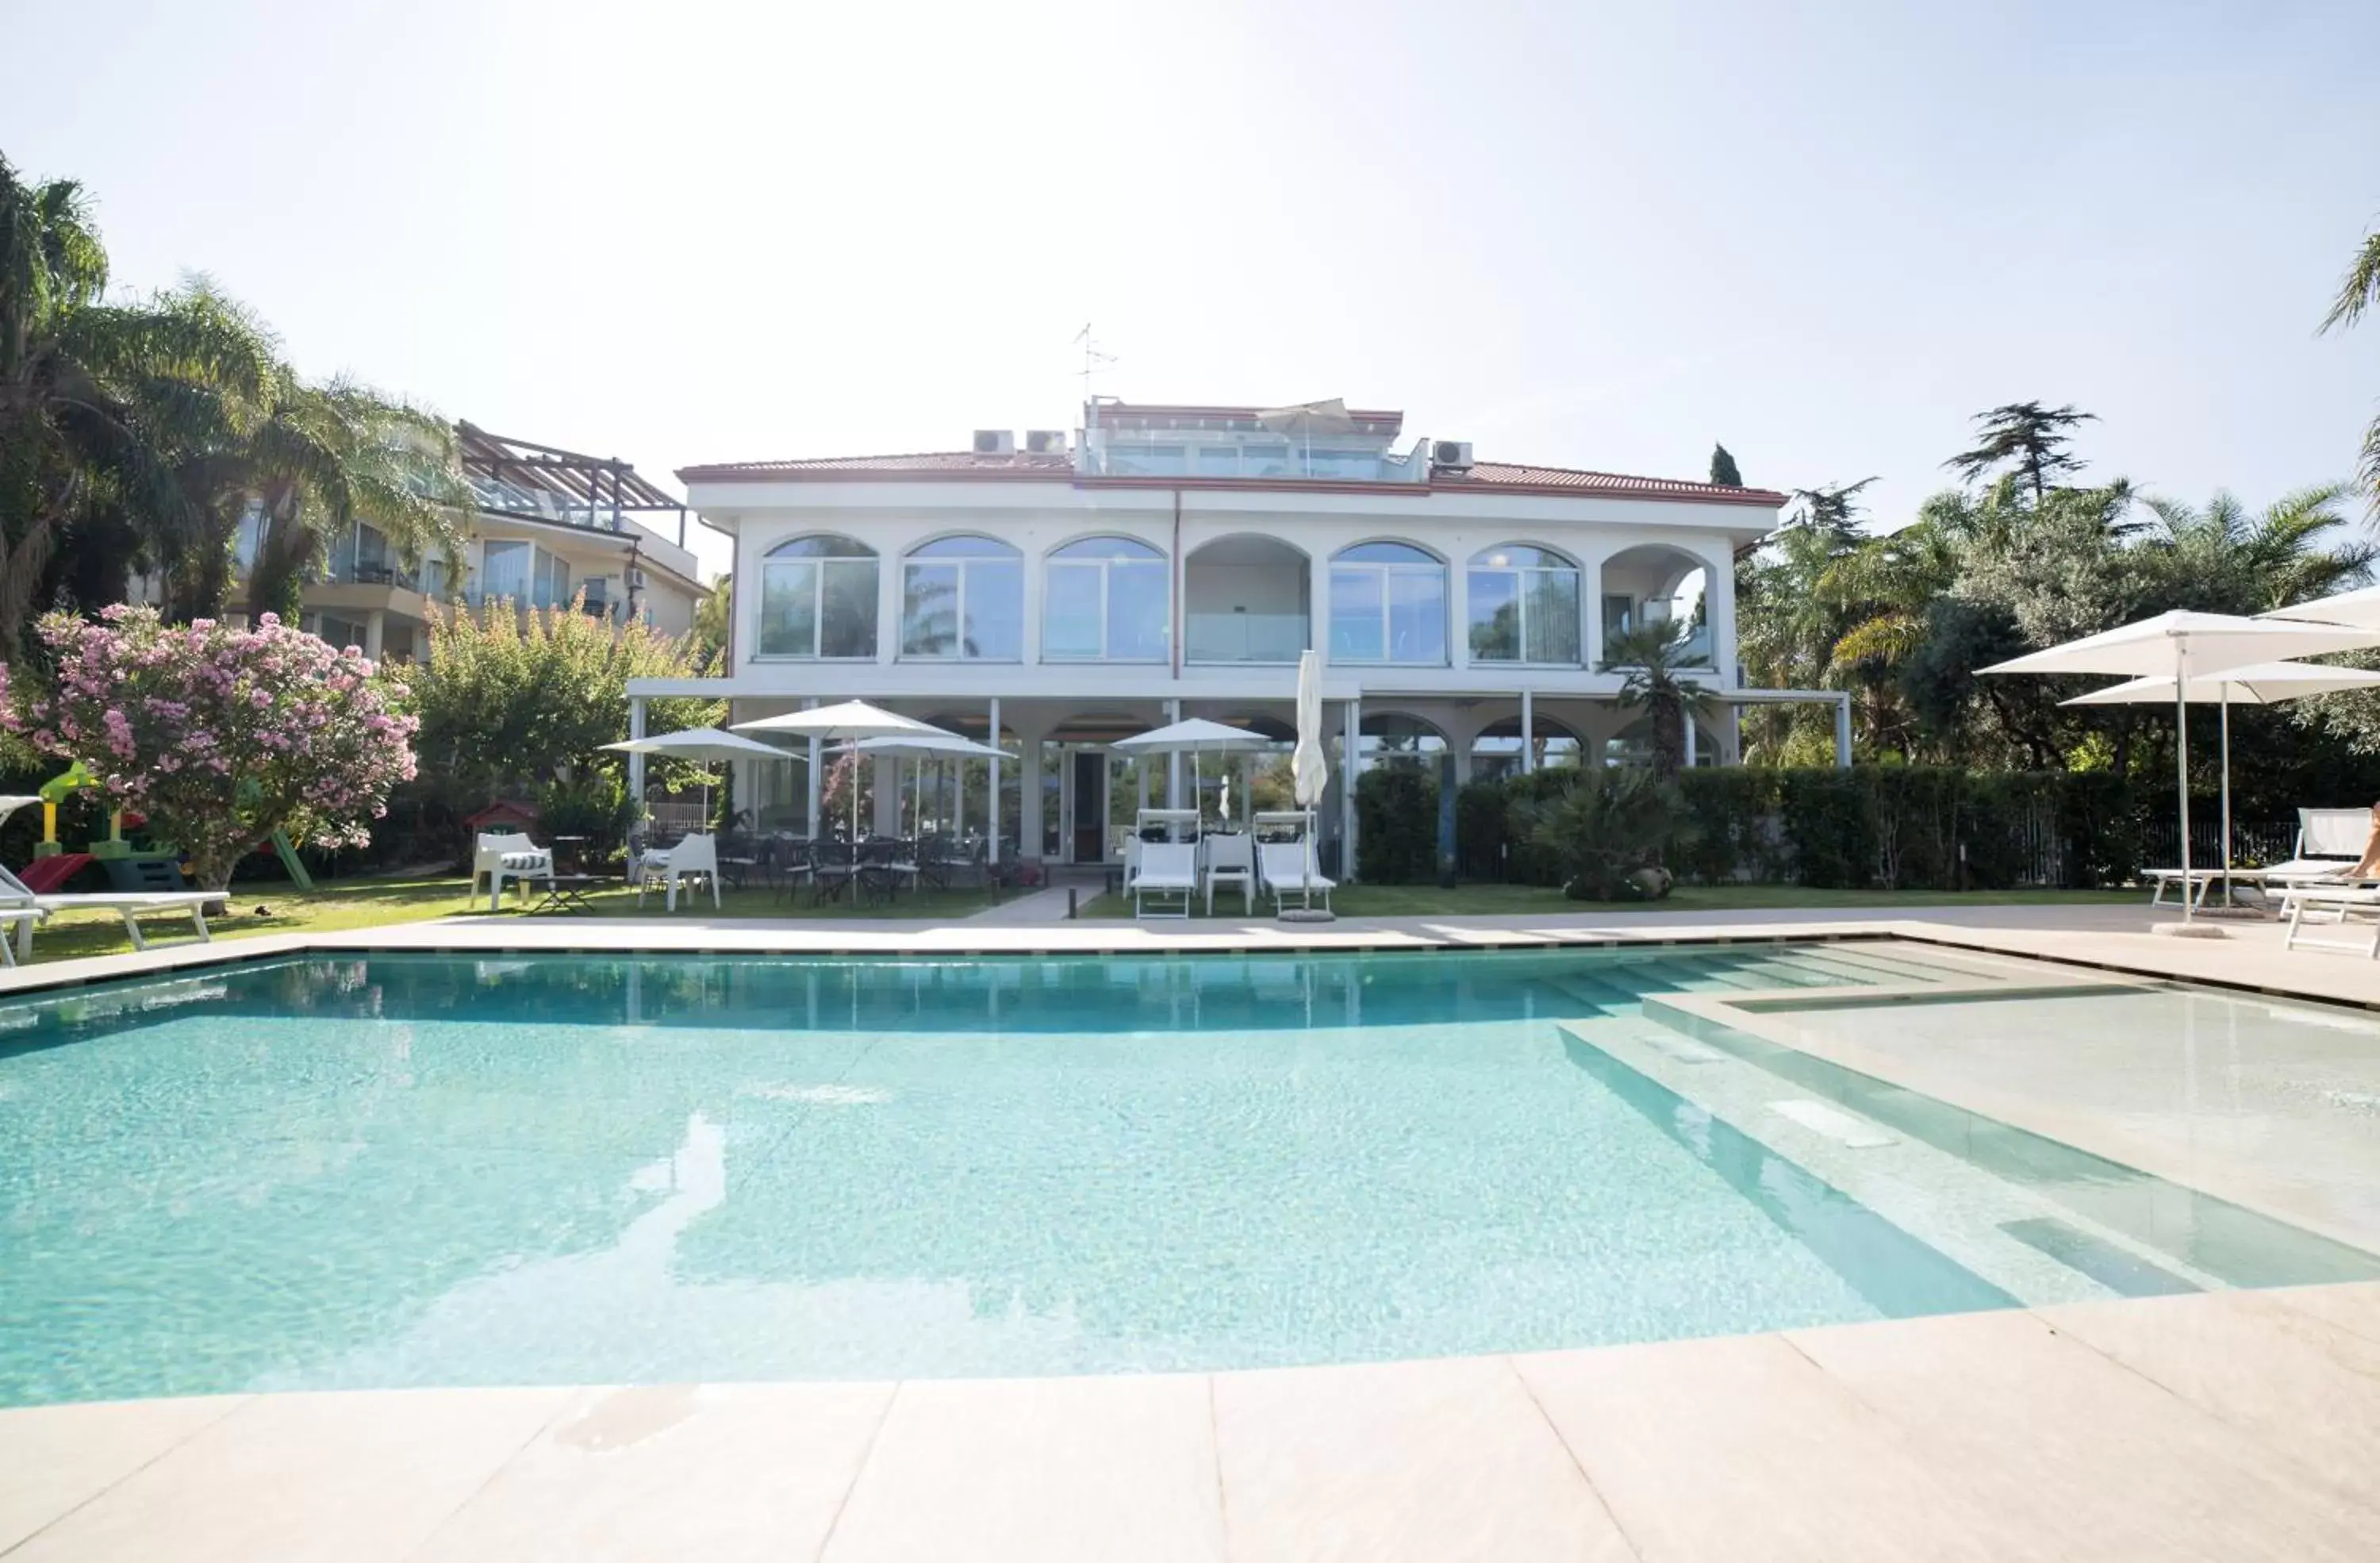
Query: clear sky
x,y
1589,235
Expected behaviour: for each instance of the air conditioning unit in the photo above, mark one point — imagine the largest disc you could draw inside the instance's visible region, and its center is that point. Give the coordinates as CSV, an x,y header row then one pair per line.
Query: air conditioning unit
x,y
1046,442
636,580
1453,454
995,441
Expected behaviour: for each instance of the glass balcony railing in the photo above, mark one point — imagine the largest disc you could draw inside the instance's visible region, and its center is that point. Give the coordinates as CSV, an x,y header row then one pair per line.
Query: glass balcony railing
x,y
1219,457
370,571
1246,638
1695,653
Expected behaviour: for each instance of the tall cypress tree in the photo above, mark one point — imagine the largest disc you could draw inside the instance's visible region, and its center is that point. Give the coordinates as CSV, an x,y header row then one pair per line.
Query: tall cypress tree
x,y
1722,468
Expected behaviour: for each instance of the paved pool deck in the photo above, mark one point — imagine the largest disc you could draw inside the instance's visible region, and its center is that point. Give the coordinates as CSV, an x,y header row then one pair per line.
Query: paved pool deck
x,y
2221,1425
2224,1426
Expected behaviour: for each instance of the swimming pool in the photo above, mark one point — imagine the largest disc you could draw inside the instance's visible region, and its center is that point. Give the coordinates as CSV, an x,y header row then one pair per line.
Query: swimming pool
x,y
367,1172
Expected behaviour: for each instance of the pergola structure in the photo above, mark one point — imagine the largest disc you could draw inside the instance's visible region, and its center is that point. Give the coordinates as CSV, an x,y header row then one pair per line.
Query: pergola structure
x,y
544,482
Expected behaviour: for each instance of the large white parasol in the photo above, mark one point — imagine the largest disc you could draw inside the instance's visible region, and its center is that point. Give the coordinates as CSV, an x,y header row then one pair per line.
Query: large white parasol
x,y
846,722
700,744
1194,737
2185,647
2260,683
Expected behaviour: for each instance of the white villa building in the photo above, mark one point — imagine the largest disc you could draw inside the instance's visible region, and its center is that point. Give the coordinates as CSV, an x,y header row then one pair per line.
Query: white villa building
x,y
1072,587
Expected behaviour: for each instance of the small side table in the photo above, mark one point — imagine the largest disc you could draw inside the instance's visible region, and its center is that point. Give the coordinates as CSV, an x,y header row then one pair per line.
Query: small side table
x,y
570,852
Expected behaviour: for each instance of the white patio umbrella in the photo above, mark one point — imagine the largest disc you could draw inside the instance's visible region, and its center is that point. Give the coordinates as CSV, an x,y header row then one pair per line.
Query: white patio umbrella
x,y
2260,683
2185,647
846,722
700,744
2359,608
1193,736
922,748
1308,418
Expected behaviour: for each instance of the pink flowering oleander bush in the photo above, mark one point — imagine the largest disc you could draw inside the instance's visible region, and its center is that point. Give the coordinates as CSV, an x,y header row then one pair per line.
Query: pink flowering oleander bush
x,y
220,736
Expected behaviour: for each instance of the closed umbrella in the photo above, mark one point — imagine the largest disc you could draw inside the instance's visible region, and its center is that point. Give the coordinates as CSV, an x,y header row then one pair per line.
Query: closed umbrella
x,y
2185,647
1309,771
2260,683
849,721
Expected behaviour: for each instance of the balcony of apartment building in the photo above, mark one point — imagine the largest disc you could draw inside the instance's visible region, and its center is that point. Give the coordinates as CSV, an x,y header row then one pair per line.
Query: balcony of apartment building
x,y
1247,600
1655,584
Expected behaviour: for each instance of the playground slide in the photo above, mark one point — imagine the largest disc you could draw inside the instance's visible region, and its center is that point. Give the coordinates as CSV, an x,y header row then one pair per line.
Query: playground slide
x,y
45,875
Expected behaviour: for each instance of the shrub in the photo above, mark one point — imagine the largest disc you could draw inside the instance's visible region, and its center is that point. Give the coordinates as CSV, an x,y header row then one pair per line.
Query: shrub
x,y
1609,824
594,806
1829,827
221,736
1733,812
1396,826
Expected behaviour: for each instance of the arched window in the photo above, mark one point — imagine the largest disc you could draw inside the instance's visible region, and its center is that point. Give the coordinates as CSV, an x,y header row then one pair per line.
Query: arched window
x,y
1393,738
963,598
1524,606
818,599
1498,749
1108,601
1388,604
1654,583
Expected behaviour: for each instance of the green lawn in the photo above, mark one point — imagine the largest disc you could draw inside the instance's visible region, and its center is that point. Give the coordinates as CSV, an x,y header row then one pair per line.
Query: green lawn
x,y
334,906
1485,901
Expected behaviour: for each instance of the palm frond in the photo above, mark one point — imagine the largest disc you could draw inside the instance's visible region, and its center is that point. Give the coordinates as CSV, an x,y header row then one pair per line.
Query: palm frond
x,y
2360,289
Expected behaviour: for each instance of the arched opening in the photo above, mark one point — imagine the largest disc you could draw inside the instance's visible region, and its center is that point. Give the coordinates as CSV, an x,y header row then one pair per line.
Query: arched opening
x,y
1244,599
1107,599
1388,604
1394,738
1633,745
1499,750
1524,606
951,795
963,600
1655,584
818,600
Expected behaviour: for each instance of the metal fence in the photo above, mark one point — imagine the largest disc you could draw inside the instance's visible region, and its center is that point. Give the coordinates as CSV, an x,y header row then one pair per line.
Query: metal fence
x,y
2253,841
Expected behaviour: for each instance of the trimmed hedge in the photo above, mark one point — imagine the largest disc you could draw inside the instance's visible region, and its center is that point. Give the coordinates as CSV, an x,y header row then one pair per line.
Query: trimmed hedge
x,y
1396,826
1871,827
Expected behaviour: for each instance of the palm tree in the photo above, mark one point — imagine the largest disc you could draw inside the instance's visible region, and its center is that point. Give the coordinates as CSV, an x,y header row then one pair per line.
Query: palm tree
x,y
1651,660
2223,560
331,456
2358,291
95,401
2027,436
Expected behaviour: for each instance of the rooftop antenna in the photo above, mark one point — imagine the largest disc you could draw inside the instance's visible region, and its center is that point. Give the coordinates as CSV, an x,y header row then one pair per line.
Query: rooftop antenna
x,y
1095,361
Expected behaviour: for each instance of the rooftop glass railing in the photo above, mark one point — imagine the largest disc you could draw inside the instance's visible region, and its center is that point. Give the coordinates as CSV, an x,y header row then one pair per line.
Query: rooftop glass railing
x,y
1189,456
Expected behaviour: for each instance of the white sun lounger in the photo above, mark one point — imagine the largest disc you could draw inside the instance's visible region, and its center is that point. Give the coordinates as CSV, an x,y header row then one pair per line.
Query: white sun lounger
x,y
1167,869
2331,906
1287,866
2330,841
128,904
17,926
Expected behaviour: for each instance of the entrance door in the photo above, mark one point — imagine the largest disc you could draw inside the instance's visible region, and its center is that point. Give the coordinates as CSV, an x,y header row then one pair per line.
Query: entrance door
x,y
1090,805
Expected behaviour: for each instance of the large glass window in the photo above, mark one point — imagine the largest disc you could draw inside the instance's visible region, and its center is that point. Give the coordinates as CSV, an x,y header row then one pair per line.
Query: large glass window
x,y
1388,604
963,597
1107,599
550,581
1524,606
1391,738
504,570
818,599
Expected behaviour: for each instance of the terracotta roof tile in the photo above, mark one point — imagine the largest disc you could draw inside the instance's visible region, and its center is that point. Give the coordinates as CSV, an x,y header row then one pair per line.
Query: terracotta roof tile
x,y
1506,476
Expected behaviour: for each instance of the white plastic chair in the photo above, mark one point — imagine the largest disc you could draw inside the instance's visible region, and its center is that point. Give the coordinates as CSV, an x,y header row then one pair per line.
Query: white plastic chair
x,y
693,857
1230,860
1167,869
507,854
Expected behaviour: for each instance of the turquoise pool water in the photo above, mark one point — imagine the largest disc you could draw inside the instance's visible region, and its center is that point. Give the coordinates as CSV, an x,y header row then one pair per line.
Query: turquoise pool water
x,y
420,1170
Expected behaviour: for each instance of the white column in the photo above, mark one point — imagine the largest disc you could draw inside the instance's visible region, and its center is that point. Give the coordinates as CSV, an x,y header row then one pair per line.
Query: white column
x,y
887,788
636,762
817,781
375,632
1528,732
1694,737
1030,826
994,814
1350,726
1173,762
1843,731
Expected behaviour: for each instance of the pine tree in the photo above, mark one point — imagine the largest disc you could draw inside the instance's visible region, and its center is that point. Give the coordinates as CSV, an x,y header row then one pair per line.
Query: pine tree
x,y
1723,468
